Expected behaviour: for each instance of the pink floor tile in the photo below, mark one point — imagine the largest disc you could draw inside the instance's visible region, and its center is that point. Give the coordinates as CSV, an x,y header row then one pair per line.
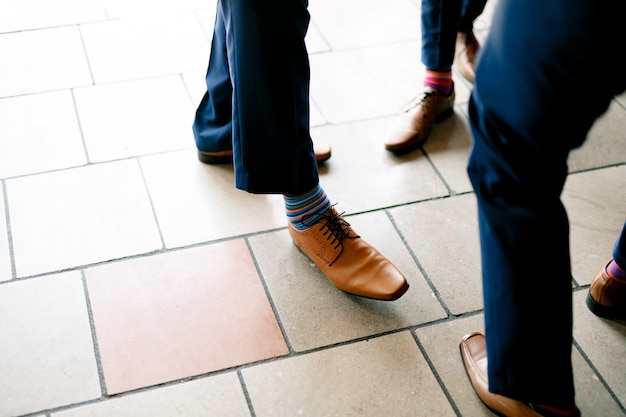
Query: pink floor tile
x,y
180,314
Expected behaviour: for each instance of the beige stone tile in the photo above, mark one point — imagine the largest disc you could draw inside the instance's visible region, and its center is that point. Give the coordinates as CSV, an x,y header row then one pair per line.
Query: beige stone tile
x,y
34,14
152,115
315,313
80,216
218,396
196,202
448,147
24,73
375,377
363,176
47,354
145,46
180,314
606,142
604,344
357,23
6,272
443,235
441,346
39,133
597,212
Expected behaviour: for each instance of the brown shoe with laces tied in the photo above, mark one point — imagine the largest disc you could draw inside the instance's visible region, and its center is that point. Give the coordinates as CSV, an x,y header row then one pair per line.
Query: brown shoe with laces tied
x,y
348,261
412,127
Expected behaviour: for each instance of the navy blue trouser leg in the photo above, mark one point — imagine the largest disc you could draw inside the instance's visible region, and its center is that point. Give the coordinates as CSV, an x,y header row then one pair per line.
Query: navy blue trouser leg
x,y
619,250
537,94
212,126
441,21
259,51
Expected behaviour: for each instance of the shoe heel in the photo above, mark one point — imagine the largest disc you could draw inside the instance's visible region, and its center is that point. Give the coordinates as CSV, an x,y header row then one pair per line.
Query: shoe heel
x,y
600,310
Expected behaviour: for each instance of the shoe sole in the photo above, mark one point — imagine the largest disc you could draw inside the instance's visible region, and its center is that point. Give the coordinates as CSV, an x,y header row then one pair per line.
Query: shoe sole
x,y
204,157
603,311
213,159
412,146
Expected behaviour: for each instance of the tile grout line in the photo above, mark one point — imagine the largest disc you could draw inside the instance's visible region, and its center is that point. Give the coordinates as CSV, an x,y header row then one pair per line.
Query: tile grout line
x,y
246,394
152,208
597,373
7,218
433,369
430,283
269,297
94,337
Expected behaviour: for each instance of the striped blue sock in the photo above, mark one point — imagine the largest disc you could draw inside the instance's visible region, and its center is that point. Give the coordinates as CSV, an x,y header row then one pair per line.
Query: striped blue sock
x,y
304,210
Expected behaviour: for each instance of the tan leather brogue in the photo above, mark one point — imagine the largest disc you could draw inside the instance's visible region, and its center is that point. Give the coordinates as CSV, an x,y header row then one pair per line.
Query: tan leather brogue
x,y
412,127
323,152
607,297
348,261
465,53
474,353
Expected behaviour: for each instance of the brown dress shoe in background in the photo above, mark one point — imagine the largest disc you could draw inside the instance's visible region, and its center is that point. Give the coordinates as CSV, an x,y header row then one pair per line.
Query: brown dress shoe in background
x,y
322,154
350,263
474,353
465,53
607,297
412,127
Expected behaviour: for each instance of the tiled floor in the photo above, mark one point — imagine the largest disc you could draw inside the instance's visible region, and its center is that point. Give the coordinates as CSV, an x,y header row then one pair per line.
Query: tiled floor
x,y
136,281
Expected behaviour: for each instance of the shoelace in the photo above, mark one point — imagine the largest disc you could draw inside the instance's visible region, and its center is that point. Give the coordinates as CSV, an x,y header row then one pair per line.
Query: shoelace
x,y
336,226
421,99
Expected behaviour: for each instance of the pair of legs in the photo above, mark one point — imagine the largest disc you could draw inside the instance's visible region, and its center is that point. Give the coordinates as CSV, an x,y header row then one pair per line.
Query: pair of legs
x,y
256,111
447,38
535,99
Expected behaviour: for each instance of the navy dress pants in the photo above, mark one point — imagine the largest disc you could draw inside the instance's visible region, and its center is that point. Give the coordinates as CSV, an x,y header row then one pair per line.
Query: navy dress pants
x,y
441,21
257,99
548,70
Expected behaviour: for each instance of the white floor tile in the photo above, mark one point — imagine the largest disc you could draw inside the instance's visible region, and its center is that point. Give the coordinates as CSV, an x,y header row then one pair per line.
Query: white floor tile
x,y
135,118
80,216
5,253
19,15
145,47
47,354
42,60
39,132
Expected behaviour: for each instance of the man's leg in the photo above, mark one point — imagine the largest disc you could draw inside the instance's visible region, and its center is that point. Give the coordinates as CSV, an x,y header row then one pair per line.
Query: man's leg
x,y
534,100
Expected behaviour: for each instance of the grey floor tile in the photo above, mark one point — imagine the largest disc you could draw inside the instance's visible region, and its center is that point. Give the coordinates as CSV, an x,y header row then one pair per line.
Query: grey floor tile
x,y
195,202
38,133
145,46
363,176
372,82
606,143
47,355
218,396
84,215
23,73
315,313
597,212
144,123
356,23
372,378
603,342
36,14
443,235
5,253
448,147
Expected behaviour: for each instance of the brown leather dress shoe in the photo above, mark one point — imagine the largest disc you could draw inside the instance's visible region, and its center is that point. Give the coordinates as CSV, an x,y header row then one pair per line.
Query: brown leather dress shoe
x,y
474,354
465,53
412,127
348,261
322,154
607,297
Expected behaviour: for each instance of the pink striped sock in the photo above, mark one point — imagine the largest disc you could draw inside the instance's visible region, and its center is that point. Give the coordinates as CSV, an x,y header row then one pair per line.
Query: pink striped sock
x,y
441,80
